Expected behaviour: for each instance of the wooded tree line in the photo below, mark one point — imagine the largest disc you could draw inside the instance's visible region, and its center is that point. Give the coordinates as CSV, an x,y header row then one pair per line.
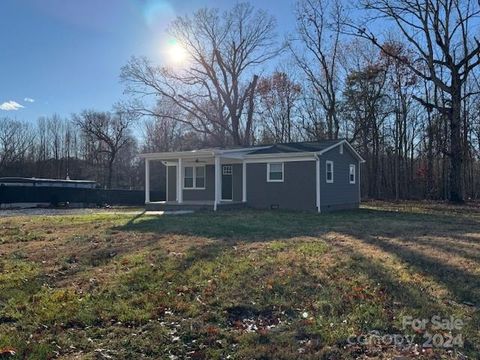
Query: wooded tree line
x,y
92,145
399,79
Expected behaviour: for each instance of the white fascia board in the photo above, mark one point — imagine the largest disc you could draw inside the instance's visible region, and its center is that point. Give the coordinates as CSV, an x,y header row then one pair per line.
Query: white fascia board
x,y
280,157
345,142
177,154
234,153
280,154
242,150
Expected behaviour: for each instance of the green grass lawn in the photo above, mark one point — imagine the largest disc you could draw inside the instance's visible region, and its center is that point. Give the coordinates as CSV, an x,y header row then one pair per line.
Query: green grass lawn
x,y
239,285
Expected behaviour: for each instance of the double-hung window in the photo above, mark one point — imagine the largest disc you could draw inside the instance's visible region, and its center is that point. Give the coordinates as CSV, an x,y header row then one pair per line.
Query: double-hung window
x,y
329,171
275,172
194,177
351,174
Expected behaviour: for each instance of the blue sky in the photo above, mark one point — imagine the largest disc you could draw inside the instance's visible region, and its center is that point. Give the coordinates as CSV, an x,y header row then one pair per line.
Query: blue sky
x,y
62,56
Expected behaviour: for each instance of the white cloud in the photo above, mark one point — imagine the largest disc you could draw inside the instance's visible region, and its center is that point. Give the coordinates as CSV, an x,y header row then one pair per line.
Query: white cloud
x,y
30,100
10,106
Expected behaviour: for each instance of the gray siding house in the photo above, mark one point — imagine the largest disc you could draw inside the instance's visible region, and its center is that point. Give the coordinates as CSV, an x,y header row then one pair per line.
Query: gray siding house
x,y
308,176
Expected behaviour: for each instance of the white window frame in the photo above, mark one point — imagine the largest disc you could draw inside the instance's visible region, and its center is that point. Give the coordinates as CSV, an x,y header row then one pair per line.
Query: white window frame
x,y
352,166
194,173
329,181
268,172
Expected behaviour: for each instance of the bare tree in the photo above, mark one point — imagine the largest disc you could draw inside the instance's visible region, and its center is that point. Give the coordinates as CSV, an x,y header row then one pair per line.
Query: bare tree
x,y
161,135
216,88
16,140
401,84
55,135
366,105
111,132
441,33
319,28
278,96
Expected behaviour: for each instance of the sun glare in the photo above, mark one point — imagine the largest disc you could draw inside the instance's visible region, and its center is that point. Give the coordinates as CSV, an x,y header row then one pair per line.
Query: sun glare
x,y
176,52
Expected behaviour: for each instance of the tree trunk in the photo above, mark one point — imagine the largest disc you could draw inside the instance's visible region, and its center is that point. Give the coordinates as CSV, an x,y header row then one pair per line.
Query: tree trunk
x,y
456,151
430,185
397,160
110,171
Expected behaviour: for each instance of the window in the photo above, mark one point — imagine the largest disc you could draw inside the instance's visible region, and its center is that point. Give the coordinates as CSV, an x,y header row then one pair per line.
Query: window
x,y
341,149
329,172
188,177
194,177
275,172
227,170
200,177
351,176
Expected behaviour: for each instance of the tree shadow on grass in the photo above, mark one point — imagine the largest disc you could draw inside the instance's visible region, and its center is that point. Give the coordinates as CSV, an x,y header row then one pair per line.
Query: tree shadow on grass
x,y
412,297
255,225
410,300
455,247
464,286
372,227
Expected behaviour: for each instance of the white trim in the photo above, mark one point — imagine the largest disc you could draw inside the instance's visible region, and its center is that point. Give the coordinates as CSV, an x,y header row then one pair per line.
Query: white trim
x,y
268,172
359,187
179,181
282,159
350,173
317,183
218,182
194,179
231,174
308,154
244,181
326,172
348,145
199,153
252,148
147,181
341,149
166,183
178,154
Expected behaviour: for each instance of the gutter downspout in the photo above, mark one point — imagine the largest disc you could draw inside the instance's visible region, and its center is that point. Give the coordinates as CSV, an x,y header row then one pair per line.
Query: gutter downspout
x,y
317,182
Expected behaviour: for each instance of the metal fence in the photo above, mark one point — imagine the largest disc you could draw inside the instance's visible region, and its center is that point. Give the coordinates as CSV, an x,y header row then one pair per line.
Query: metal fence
x,y
59,195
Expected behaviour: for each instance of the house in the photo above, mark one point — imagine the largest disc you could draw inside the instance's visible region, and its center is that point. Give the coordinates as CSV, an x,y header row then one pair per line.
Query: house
x,y
307,176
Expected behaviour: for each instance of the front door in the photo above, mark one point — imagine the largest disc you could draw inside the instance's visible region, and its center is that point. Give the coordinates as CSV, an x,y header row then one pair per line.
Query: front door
x,y
227,183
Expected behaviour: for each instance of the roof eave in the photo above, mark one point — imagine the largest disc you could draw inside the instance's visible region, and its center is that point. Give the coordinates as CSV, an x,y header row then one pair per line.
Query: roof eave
x,y
279,155
198,153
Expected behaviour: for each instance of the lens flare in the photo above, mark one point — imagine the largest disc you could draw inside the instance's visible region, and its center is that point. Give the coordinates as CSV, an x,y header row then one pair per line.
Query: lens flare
x,y
176,52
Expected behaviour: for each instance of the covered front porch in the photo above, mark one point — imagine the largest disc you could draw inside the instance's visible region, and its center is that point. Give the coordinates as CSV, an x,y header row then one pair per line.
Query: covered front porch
x,y
200,180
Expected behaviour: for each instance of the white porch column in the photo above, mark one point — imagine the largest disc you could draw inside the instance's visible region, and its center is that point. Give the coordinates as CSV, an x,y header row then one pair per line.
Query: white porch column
x,y
218,182
244,181
317,171
166,182
359,185
179,181
147,181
